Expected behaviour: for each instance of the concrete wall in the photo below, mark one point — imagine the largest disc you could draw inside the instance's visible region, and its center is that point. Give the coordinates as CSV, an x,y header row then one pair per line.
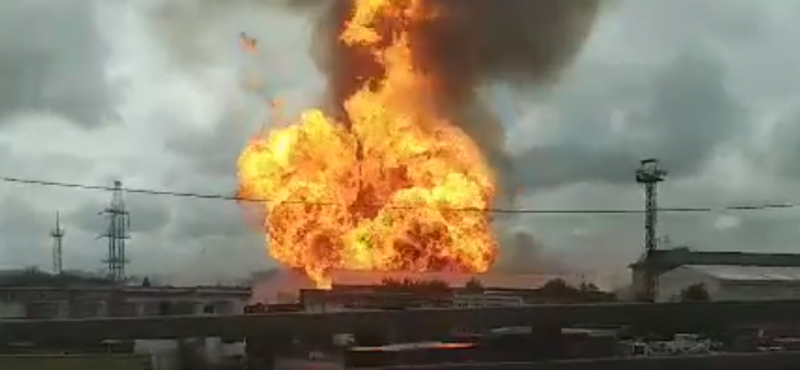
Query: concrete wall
x,y
74,362
10,310
480,300
50,309
76,302
758,291
165,354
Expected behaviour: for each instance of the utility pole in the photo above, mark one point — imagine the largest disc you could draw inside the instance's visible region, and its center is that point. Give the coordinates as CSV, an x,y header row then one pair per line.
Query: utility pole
x,y
58,237
649,174
116,234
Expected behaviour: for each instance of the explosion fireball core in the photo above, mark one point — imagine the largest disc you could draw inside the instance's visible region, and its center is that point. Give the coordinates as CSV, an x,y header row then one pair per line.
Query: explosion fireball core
x,y
393,186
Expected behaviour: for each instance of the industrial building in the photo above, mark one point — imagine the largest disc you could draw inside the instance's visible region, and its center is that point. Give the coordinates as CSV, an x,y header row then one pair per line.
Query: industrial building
x,y
318,300
314,300
725,275
486,299
48,302
732,283
35,295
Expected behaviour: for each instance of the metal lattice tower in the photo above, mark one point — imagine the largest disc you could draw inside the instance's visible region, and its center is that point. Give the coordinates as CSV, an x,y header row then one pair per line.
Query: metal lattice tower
x,y
58,237
649,174
117,234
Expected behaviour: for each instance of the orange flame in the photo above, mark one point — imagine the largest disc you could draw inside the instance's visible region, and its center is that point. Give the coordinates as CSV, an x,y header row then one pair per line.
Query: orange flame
x,y
394,188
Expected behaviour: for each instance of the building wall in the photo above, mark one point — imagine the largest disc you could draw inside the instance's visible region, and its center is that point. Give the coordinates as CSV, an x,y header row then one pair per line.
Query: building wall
x,y
320,307
637,282
164,354
479,300
81,302
53,308
315,300
671,283
11,310
59,303
758,291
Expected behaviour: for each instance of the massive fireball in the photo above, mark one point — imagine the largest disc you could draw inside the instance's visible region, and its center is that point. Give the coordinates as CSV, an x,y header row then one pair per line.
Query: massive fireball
x,y
395,186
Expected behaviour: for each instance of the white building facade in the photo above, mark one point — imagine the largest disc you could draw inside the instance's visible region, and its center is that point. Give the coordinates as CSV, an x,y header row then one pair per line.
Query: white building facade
x,y
486,299
731,282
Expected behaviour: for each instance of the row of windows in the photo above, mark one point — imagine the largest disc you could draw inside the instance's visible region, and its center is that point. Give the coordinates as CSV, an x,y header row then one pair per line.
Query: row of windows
x,y
122,309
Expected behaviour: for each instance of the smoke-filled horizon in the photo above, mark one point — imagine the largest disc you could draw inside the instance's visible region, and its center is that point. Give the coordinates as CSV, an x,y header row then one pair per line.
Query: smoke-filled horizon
x,y
466,45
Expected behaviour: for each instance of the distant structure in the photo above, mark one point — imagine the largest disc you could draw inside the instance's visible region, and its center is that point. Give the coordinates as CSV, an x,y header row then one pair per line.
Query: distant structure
x,y
726,275
116,234
58,252
666,242
649,174
55,300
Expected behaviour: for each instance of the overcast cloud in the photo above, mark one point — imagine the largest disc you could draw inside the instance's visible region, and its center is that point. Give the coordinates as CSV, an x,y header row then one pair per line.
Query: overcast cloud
x,y
94,91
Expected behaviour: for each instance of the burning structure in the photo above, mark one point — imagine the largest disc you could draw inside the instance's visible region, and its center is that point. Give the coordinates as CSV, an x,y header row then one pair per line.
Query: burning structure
x,y
399,169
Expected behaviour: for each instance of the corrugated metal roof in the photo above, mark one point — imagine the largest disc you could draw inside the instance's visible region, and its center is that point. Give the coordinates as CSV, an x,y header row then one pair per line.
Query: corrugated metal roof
x,y
749,273
671,258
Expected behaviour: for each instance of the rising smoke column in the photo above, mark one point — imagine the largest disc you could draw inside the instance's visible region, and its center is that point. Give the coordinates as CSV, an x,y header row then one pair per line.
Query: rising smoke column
x,y
467,45
392,174
472,43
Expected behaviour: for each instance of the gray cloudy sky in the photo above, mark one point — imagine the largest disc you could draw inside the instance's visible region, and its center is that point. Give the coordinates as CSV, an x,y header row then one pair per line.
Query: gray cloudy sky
x,y
148,93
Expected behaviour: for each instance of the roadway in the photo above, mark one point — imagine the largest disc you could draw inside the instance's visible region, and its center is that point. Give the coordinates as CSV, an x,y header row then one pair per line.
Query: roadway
x,y
677,316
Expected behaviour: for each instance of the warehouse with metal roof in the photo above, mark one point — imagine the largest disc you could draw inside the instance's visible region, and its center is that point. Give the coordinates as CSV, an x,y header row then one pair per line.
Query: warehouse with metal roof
x,y
732,282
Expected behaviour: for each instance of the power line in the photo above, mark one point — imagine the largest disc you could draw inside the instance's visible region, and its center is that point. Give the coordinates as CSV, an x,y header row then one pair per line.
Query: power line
x,y
223,197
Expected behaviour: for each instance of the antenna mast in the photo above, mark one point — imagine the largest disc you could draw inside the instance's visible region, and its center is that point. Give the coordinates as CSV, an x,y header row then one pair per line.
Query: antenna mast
x,y
116,234
649,174
58,237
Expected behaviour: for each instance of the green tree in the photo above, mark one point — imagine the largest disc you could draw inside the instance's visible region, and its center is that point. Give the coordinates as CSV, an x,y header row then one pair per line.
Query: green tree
x,y
560,291
474,285
588,288
695,293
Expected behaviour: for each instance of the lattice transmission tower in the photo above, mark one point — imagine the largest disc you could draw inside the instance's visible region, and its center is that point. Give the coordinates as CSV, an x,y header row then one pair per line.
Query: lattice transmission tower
x,y
118,221
58,247
649,174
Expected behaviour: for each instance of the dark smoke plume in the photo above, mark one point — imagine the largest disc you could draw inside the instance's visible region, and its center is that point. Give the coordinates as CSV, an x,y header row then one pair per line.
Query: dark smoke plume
x,y
470,43
526,43
522,253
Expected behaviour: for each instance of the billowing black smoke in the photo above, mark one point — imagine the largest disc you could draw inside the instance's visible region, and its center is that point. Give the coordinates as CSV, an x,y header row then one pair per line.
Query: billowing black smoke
x,y
470,44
